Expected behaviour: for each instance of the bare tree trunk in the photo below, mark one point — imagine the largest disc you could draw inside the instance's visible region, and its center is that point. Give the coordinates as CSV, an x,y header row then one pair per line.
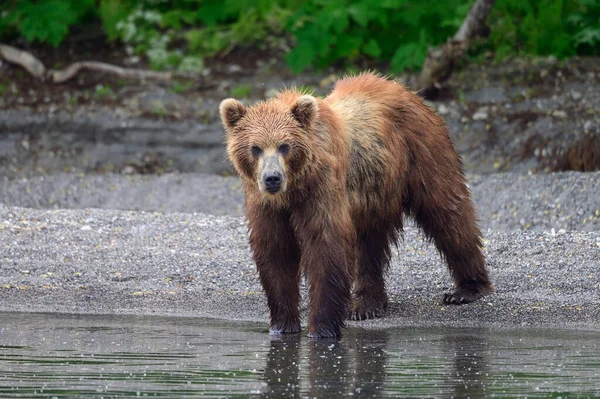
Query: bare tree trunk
x,y
441,60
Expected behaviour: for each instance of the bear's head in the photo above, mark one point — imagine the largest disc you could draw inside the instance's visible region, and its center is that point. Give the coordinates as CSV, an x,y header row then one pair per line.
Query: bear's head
x,y
270,143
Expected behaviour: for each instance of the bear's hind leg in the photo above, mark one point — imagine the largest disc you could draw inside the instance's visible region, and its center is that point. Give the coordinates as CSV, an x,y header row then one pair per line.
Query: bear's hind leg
x,y
448,218
370,299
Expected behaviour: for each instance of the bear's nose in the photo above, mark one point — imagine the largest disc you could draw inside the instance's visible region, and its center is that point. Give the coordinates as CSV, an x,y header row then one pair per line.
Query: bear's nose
x,y
273,181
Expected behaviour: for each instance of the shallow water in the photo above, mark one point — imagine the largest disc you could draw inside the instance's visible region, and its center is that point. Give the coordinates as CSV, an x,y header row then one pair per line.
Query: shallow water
x,y
45,355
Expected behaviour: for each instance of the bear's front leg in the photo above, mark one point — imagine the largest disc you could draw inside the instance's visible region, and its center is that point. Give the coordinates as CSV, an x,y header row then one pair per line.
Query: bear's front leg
x,y
277,256
329,261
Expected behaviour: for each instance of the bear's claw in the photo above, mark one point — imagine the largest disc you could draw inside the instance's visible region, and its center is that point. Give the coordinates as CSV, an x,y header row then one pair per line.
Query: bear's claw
x,y
371,314
463,296
365,310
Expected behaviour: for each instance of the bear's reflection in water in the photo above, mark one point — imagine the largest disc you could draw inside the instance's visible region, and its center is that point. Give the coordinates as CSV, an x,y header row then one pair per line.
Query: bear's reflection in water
x,y
469,375
360,364
326,368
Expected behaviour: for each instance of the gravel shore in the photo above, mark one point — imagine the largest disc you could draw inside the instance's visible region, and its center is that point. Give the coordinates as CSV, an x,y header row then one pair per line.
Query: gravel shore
x,y
510,201
127,262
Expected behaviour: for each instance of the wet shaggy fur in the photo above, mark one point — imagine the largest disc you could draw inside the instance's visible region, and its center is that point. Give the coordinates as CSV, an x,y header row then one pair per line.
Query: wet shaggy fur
x,y
358,160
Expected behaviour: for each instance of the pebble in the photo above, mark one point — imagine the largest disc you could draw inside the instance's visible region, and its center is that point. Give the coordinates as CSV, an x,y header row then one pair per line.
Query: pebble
x,y
480,115
233,68
442,109
559,113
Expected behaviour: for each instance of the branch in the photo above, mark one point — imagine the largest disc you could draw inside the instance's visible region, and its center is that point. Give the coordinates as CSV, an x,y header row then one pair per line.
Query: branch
x,y
69,72
24,59
440,61
36,68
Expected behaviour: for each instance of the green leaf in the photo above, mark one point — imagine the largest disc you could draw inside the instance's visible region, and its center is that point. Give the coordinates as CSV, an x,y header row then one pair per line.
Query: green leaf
x,y
300,57
360,13
49,21
588,36
410,55
112,12
372,48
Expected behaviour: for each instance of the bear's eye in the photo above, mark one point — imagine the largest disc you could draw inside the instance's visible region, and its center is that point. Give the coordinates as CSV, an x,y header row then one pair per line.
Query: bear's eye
x,y
284,149
256,151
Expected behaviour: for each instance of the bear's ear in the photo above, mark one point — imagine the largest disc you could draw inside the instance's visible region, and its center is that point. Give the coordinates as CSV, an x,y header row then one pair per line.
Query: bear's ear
x,y
231,111
305,110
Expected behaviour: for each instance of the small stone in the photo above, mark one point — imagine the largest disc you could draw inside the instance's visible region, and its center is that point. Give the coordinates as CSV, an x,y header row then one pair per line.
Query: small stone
x,y
128,170
587,126
86,228
442,109
543,73
234,68
132,60
576,95
559,113
480,115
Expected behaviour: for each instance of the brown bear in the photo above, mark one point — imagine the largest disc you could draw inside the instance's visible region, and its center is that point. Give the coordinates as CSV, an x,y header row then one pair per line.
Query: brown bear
x,y
327,181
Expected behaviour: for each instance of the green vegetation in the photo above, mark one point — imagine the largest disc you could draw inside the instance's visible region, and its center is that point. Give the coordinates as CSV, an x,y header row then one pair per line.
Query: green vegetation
x,y
179,34
545,27
159,109
103,91
241,91
181,87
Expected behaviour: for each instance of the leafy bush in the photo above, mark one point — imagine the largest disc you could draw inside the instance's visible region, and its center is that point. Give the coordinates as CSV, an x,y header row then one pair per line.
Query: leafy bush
x,y
562,28
180,33
47,21
392,30
159,29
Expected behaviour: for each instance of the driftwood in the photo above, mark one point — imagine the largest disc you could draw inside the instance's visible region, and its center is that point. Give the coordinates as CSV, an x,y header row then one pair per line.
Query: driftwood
x,y
36,68
24,59
69,72
440,61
